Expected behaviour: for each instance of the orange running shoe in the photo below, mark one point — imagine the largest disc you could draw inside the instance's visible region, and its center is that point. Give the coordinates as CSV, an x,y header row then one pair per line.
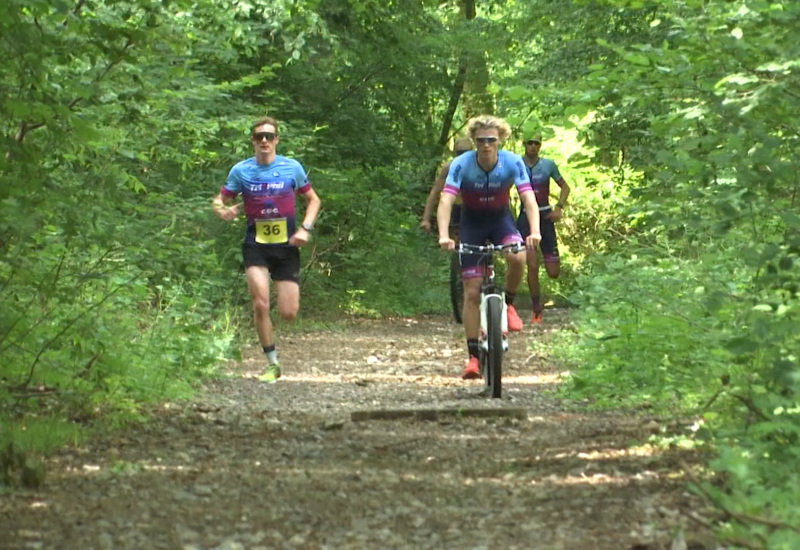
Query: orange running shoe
x,y
472,370
514,322
536,318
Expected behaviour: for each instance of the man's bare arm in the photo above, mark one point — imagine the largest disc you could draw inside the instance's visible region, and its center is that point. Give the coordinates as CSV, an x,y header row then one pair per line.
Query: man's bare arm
x,y
313,204
446,201
556,214
223,209
433,198
528,199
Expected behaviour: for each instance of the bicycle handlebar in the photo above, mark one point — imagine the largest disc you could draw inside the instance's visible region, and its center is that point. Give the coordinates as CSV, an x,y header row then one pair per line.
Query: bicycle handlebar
x,y
464,248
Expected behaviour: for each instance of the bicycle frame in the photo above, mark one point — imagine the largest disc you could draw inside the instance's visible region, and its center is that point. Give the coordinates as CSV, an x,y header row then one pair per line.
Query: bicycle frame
x,y
489,289
492,295
488,285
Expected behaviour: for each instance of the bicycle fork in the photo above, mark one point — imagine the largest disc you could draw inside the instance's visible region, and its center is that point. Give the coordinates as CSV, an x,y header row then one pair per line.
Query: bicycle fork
x,y
503,320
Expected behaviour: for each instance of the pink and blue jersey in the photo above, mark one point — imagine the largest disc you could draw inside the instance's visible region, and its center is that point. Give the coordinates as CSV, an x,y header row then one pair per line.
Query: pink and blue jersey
x,y
540,174
485,214
268,191
483,191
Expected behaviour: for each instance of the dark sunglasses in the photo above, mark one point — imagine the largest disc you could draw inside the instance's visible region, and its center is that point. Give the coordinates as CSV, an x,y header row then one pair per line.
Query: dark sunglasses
x,y
532,141
491,139
269,136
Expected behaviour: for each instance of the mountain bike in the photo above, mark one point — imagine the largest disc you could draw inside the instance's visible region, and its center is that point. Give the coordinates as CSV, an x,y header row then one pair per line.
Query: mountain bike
x,y
493,335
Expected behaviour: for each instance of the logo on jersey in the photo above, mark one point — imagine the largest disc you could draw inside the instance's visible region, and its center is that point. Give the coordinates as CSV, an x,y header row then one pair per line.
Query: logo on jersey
x,y
521,170
269,209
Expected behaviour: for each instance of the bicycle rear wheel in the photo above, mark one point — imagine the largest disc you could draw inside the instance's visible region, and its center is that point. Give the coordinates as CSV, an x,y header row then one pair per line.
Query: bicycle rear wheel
x,y
493,373
456,288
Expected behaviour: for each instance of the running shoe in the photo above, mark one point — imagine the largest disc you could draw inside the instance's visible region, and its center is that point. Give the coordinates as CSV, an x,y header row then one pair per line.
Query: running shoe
x,y
271,374
472,370
514,322
536,318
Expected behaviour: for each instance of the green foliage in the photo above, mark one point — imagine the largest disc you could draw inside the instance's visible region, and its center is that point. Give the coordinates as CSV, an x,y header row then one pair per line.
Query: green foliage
x,y
370,257
673,122
121,119
701,334
645,328
112,288
692,303
39,435
17,469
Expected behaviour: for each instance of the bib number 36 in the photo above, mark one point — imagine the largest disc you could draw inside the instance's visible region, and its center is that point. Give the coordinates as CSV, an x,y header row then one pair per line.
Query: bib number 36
x,y
271,231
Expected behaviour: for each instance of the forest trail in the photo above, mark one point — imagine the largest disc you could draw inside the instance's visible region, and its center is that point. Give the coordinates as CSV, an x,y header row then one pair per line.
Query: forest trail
x,y
254,466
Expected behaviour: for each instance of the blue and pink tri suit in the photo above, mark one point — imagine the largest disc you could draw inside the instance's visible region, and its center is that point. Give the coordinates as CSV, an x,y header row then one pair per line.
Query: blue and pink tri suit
x,y
541,173
485,214
268,191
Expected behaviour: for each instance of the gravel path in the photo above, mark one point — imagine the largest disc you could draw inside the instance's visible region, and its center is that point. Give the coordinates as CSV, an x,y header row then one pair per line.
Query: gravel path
x,y
254,466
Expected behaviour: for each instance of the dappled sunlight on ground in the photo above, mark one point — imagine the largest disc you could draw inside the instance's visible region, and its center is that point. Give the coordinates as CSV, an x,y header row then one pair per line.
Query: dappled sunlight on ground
x,y
340,444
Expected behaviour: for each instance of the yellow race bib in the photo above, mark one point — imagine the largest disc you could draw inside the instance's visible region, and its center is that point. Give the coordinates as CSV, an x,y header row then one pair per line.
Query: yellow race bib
x,y
271,231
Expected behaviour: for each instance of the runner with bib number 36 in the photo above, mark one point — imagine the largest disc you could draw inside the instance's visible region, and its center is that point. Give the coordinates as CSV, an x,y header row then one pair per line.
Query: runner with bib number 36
x,y
268,183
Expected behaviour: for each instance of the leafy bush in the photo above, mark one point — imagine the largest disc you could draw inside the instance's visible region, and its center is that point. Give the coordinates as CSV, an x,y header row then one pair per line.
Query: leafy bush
x,y
710,335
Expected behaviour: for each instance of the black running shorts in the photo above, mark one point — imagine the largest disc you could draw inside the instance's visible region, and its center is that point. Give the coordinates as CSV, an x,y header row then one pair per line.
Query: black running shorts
x,y
283,262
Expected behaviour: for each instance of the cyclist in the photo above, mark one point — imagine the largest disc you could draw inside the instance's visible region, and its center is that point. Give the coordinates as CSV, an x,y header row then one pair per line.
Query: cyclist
x,y
268,183
461,146
541,171
484,179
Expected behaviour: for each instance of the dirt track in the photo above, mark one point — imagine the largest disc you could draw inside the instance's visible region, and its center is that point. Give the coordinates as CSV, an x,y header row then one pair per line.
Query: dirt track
x,y
250,466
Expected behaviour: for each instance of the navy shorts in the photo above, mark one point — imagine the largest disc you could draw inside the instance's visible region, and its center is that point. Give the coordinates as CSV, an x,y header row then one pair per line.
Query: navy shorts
x,y
477,228
283,262
547,228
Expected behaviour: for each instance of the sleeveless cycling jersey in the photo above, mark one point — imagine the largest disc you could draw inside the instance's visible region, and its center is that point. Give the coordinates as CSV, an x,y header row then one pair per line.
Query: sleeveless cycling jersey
x,y
483,191
268,191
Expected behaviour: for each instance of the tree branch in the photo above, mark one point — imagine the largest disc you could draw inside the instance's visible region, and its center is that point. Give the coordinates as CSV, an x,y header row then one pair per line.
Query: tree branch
x,y
61,332
76,10
364,79
31,300
741,518
751,407
26,127
455,97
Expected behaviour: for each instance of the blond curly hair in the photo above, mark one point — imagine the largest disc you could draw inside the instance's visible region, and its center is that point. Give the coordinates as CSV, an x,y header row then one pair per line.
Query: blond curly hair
x,y
488,121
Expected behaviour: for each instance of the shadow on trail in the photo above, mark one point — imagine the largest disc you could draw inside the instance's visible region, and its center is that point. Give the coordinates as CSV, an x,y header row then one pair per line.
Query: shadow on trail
x,y
250,465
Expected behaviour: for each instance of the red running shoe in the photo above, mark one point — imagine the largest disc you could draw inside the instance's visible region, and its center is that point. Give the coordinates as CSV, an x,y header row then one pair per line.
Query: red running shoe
x,y
472,370
536,318
514,322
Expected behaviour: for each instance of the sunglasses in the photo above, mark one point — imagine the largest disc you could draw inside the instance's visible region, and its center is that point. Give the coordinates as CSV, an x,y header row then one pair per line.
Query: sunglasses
x,y
491,139
269,136
532,141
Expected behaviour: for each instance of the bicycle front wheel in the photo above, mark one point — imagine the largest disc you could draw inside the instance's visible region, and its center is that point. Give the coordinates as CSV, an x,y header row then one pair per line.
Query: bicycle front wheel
x,y
494,335
456,288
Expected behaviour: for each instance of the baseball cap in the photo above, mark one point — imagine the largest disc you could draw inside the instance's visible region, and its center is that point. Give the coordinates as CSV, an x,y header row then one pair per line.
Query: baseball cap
x,y
463,144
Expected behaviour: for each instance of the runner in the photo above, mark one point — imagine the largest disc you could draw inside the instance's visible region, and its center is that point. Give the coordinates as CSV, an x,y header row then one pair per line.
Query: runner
x,y
461,146
541,171
268,183
484,179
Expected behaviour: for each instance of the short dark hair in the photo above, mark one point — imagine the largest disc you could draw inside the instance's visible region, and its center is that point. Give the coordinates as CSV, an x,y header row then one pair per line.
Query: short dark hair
x,y
264,120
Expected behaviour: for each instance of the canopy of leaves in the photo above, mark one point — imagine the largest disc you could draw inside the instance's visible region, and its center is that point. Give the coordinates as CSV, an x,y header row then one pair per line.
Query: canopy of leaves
x,y
674,122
